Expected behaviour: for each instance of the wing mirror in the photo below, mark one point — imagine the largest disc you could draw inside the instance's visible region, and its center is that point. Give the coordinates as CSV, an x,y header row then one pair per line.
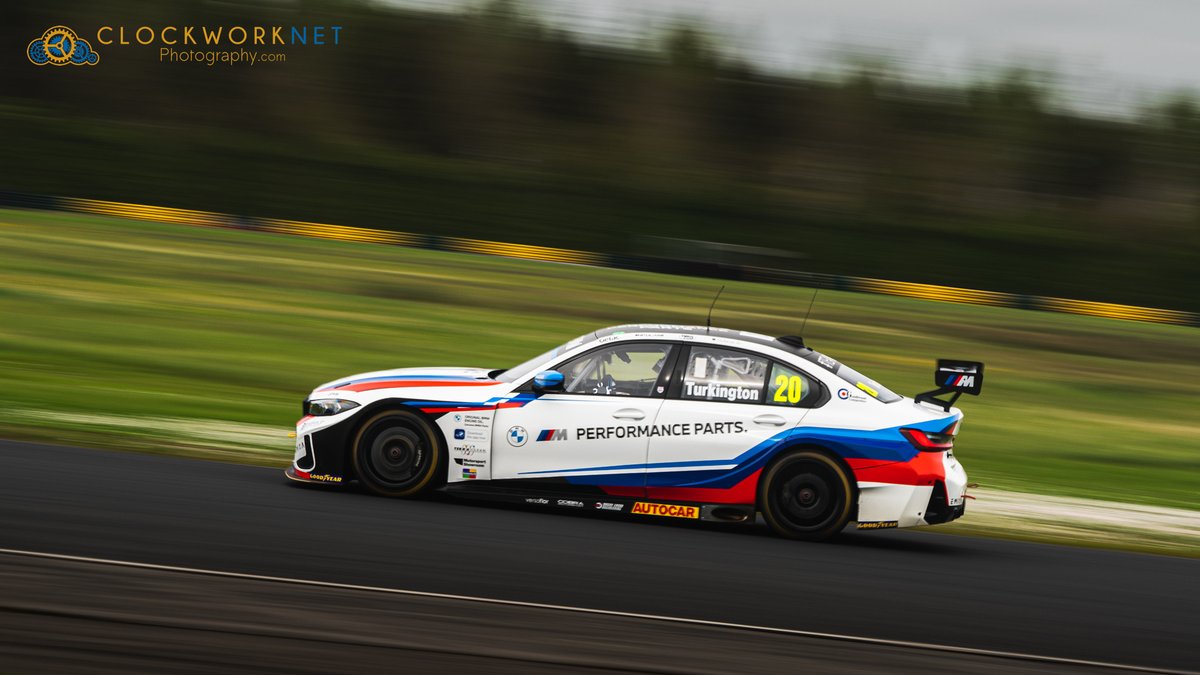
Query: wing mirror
x,y
548,382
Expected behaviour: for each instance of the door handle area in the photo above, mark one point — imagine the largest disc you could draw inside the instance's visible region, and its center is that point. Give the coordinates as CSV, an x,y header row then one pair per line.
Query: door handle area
x,y
773,420
629,414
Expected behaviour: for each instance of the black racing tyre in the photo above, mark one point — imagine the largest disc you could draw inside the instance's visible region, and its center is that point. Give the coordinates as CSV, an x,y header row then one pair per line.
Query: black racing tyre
x,y
396,453
807,495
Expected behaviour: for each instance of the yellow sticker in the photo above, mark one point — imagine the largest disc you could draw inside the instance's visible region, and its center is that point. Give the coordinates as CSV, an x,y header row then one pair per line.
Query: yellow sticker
x,y
670,510
872,392
881,525
791,389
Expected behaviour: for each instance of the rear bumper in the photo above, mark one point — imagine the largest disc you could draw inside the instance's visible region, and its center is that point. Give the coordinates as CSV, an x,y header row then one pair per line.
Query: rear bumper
x,y
928,490
939,509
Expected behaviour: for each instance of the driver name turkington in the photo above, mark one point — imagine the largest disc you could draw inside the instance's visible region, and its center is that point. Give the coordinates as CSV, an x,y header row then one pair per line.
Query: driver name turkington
x,y
647,430
712,390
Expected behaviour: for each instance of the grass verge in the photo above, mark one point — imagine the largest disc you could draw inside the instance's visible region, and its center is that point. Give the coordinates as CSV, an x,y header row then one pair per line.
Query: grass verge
x,y
150,336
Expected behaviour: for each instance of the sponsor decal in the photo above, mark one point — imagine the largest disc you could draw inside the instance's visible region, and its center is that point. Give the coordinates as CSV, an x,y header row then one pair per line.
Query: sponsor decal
x,y
469,462
552,435
853,397
867,388
827,362
60,46
536,500
719,391
469,450
668,510
790,389
469,427
880,525
571,503
609,506
469,473
651,430
960,381
517,436
324,478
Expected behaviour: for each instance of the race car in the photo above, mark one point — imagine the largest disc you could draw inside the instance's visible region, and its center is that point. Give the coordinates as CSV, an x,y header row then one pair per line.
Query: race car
x,y
654,420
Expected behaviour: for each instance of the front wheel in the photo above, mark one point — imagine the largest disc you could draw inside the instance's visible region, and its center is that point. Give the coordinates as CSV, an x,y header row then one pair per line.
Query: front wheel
x,y
397,453
806,495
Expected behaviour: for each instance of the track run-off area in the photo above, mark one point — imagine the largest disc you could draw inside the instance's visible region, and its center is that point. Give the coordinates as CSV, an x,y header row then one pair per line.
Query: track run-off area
x,y
118,561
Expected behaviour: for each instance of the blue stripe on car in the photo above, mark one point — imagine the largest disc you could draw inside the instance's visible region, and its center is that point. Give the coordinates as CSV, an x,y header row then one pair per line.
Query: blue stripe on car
x,y
886,445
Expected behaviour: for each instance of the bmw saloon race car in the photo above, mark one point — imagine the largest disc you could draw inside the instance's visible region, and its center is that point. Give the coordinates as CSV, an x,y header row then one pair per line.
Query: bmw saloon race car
x,y
653,420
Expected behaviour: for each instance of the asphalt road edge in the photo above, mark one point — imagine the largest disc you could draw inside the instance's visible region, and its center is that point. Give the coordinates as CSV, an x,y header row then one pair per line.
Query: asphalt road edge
x,y
926,646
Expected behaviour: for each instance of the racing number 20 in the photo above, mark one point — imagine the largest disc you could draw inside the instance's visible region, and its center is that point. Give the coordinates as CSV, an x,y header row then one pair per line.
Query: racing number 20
x,y
789,389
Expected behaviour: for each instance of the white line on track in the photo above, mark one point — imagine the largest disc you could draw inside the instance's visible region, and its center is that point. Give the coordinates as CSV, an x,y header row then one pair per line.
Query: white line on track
x,y
929,646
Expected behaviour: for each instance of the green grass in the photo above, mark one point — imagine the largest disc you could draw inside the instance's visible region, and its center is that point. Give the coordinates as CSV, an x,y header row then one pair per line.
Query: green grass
x,y
154,325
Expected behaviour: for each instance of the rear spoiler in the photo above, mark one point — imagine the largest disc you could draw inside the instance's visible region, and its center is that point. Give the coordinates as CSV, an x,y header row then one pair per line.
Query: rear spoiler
x,y
953,377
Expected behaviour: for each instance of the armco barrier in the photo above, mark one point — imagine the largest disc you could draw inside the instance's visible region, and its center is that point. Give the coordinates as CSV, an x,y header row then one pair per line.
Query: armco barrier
x,y
645,263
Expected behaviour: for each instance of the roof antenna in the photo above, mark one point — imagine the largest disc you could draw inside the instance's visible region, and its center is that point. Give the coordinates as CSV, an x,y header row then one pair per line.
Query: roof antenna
x,y
708,321
820,282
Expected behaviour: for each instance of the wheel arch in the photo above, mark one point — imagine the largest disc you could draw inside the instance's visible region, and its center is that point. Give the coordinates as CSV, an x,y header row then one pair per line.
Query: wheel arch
x,y
369,411
803,444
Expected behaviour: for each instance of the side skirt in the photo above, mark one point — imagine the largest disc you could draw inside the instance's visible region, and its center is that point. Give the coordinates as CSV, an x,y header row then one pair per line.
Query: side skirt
x,y
604,503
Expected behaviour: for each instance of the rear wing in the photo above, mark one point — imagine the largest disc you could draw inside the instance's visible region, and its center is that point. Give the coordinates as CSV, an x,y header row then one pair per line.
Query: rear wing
x,y
953,377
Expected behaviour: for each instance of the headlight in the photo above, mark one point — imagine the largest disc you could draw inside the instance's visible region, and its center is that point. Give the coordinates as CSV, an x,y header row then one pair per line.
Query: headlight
x,y
330,406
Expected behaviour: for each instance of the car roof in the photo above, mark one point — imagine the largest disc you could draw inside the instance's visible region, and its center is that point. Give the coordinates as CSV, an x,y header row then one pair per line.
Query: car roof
x,y
787,343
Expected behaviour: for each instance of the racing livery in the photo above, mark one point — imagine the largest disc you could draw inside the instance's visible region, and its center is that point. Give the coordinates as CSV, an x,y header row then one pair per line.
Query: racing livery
x,y
656,420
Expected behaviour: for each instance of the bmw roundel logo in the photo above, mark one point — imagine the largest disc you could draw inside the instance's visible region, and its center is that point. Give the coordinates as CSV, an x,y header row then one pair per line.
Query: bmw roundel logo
x,y
843,394
517,436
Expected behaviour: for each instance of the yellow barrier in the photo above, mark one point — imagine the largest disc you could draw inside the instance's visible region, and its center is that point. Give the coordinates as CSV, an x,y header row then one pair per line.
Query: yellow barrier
x,y
932,292
523,251
561,255
1112,311
340,232
160,214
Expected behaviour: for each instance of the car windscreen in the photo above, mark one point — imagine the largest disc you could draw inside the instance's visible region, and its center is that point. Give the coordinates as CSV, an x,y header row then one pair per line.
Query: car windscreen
x,y
856,379
527,368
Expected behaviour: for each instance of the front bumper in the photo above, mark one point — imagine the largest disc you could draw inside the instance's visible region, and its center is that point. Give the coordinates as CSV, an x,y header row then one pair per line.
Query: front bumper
x,y
305,477
321,444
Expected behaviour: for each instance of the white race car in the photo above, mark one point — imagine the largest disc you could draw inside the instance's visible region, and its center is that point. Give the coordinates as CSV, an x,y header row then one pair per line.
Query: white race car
x,y
654,420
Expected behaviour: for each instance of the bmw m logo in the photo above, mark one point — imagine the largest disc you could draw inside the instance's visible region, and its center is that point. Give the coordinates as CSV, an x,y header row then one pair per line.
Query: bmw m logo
x,y
517,436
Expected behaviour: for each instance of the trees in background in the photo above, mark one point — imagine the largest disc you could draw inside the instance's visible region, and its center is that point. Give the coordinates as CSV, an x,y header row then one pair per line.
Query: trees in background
x,y
489,123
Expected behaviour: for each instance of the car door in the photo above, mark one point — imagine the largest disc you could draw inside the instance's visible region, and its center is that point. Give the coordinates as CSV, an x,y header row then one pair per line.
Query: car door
x,y
734,407
593,433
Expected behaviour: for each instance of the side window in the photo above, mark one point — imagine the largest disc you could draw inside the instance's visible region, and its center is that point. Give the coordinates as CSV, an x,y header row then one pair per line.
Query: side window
x,y
789,387
714,374
620,370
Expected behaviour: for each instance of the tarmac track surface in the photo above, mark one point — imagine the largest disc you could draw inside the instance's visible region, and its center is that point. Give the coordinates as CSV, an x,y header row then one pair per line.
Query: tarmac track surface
x,y
59,615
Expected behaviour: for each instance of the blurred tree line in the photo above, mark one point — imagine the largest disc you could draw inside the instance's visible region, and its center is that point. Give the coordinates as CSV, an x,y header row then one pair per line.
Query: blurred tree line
x,y
488,123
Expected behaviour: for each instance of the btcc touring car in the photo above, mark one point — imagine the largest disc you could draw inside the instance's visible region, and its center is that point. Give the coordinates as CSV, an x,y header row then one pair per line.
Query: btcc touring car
x,y
655,420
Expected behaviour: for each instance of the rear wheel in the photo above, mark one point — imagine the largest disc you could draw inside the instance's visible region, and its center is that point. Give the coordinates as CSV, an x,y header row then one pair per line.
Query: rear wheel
x,y
806,495
397,454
